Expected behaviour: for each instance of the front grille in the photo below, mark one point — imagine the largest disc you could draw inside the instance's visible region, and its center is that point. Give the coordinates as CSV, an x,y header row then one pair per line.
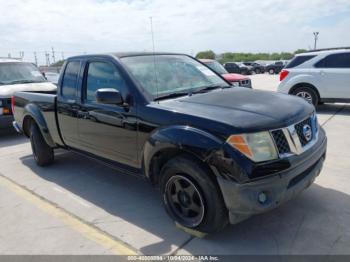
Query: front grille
x,y
299,128
281,141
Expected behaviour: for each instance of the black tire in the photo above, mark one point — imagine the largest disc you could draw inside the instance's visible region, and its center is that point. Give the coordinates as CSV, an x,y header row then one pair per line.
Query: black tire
x,y
42,152
257,71
185,174
308,94
271,71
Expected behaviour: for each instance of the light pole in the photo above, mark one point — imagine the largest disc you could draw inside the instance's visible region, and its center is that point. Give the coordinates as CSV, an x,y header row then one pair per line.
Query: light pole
x,y
316,38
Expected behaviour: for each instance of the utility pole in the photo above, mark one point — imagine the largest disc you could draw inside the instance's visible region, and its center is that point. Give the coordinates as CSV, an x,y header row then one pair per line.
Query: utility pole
x,y
316,38
53,55
35,59
47,55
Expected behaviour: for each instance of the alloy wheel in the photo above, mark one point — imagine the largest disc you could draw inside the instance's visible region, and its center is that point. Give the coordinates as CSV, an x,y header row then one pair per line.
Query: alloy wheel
x,y
185,200
305,95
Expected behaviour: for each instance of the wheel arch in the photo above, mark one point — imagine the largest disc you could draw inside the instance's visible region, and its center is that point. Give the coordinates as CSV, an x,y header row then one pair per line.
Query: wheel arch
x,y
33,114
168,143
304,84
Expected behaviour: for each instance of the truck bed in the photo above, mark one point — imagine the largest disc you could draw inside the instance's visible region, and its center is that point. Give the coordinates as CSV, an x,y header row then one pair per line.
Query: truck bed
x,y
42,105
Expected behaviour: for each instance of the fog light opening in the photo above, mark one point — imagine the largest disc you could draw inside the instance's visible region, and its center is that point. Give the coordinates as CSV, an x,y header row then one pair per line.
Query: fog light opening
x,y
262,197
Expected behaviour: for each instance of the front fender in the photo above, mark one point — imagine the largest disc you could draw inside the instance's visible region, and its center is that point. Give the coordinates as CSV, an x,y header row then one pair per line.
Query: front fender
x,y
185,138
32,110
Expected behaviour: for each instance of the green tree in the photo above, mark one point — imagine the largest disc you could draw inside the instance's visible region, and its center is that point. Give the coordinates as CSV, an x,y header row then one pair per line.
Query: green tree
x,y
58,63
209,54
299,51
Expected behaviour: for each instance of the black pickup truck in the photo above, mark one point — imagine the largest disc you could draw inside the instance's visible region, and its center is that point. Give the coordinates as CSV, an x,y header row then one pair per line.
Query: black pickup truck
x,y
218,153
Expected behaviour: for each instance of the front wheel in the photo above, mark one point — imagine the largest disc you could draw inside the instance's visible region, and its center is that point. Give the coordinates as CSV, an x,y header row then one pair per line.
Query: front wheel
x,y
190,197
271,71
308,94
42,152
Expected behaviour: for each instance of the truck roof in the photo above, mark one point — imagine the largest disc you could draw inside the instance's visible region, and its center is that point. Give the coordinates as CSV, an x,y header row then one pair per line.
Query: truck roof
x,y
127,54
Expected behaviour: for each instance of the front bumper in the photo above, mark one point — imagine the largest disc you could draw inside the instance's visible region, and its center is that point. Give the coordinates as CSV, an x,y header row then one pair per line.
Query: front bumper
x,y
244,200
6,121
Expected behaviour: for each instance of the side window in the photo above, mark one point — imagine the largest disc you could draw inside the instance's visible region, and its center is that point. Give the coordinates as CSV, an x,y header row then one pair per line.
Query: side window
x,y
102,75
338,61
335,61
321,63
70,77
298,60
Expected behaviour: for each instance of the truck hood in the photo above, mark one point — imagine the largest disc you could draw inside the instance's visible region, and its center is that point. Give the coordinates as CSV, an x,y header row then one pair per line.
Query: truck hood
x,y
244,109
6,91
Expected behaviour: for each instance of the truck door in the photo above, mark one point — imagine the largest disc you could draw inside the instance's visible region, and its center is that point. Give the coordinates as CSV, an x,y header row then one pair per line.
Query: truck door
x,y
105,130
67,106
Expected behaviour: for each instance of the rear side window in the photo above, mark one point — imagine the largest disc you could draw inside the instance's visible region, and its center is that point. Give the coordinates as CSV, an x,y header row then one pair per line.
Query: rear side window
x,y
335,61
298,60
70,77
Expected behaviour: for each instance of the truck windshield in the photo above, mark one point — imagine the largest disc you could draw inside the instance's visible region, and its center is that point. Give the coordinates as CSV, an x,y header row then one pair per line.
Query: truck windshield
x,y
19,73
217,67
163,75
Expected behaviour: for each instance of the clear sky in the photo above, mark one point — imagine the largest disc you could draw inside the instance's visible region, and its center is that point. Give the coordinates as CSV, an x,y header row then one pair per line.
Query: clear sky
x,y
78,26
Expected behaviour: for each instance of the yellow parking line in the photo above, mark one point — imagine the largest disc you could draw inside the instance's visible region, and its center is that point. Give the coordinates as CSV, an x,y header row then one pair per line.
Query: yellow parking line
x,y
89,231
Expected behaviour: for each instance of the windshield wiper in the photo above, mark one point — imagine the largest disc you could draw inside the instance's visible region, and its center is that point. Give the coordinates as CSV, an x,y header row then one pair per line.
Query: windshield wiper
x,y
172,95
22,82
209,88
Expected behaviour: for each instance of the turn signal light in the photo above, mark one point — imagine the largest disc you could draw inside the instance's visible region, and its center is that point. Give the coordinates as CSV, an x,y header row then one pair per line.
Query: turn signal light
x,y
283,74
6,111
238,142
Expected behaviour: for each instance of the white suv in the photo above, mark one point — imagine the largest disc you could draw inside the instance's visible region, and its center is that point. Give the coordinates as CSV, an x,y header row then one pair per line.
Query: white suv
x,y
318,77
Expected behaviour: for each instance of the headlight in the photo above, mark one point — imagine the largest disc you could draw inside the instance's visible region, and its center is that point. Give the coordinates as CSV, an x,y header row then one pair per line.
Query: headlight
x,y
256,146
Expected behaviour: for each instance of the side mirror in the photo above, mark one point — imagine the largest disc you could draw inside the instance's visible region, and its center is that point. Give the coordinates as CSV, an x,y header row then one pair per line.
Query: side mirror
x,y
109,96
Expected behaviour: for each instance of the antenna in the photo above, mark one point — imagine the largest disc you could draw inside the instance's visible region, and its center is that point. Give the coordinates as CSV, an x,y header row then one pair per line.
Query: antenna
x,y
154,57
36,58
53,55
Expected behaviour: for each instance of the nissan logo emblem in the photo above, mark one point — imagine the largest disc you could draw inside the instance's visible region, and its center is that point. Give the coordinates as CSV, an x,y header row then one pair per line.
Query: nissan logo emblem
x,y
307,132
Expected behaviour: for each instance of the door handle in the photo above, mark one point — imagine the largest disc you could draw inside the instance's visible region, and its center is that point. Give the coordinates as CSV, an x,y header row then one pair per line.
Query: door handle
x,y
83,114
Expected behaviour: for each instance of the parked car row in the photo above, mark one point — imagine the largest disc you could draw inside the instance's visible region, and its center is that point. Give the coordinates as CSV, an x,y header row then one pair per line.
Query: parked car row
x,y
248,68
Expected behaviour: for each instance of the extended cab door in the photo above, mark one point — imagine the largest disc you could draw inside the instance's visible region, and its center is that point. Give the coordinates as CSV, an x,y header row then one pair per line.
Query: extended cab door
x,y
67,105
107,130
334,75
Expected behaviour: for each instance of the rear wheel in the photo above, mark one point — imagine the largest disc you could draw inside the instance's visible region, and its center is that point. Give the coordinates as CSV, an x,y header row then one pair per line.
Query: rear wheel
x,y
271,71
42,152
257,71
308,94
190,197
